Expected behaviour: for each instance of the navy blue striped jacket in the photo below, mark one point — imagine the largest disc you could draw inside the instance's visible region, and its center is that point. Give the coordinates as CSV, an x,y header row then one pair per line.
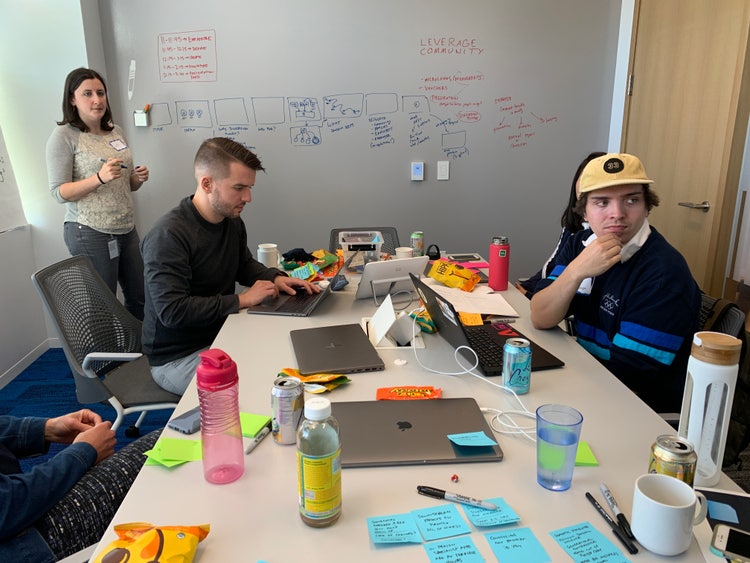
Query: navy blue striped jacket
x,y
639,318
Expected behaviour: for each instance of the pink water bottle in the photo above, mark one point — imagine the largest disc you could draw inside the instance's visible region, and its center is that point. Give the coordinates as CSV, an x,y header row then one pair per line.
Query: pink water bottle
x,y
221,434
499,259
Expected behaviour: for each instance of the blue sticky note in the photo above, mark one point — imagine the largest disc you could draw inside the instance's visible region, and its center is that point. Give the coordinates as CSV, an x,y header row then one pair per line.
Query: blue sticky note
x,y
583,542
461,550
472,439
722,511
440,522
517,546
481,517
395,528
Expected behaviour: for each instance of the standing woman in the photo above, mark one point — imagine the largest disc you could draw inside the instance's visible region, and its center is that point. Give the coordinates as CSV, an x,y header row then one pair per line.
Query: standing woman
x,y
91,171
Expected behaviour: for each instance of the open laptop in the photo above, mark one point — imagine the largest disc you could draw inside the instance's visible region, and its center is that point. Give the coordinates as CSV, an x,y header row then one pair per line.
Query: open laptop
x,y
301,304
378,433
334,349
389,276
486,340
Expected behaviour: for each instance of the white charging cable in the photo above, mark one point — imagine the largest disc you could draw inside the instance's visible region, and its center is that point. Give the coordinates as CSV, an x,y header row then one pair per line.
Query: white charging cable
x,y
501,422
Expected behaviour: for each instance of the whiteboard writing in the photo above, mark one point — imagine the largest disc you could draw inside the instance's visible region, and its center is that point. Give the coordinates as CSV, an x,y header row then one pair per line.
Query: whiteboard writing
x,y
188,56
449,46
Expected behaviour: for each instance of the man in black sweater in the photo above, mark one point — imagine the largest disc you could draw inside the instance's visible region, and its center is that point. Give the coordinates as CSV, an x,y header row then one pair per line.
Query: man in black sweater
x,y
192,258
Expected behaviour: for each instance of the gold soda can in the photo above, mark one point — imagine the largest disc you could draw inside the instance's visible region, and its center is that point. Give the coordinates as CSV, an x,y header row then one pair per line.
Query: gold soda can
x,y
675,456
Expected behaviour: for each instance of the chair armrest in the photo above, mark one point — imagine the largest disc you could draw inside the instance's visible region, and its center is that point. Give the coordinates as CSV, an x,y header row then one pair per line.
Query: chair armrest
x,y
107,357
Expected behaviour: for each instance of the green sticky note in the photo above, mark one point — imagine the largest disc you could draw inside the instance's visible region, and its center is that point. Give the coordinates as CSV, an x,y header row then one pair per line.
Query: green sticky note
x,y
174,451
253,423
584,455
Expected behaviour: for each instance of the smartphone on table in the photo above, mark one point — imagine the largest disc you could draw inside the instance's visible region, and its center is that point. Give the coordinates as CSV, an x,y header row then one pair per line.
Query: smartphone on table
x,y
734,544
188,422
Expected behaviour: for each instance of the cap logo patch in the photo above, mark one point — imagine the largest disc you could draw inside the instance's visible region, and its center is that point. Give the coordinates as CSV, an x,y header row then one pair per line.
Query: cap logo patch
x,y
613,166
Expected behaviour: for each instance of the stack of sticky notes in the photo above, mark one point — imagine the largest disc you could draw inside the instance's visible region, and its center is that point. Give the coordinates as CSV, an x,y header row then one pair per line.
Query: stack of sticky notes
x,y
171,452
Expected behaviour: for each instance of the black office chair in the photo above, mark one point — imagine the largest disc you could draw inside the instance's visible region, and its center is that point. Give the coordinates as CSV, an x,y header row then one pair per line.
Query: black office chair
x,y
101,340
390,238
717,315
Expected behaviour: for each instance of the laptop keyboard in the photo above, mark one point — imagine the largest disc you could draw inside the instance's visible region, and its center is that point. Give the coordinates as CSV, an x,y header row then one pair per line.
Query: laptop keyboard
x,y
489,352
300,303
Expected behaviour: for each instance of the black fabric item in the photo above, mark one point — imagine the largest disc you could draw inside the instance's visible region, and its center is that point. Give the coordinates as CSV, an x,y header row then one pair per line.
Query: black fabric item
x,y
82,516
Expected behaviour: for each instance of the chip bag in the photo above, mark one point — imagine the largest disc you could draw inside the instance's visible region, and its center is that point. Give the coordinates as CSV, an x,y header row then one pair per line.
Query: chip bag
x,y
454,275
141,542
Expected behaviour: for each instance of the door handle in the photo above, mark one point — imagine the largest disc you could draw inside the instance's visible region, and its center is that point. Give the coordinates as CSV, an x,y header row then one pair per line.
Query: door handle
x,y
704,206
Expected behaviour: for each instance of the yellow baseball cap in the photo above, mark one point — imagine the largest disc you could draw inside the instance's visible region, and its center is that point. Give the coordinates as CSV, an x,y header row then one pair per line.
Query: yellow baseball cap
x,y
612,170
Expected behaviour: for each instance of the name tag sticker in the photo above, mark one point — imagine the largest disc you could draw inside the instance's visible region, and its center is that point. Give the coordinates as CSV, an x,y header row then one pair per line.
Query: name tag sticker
x,y
118,145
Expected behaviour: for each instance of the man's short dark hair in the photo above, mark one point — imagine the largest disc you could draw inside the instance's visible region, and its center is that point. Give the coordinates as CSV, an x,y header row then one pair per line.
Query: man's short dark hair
x,y
215,155
649,196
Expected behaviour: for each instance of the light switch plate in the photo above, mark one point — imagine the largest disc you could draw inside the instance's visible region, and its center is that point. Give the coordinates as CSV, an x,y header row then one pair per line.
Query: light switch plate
x,y
443,170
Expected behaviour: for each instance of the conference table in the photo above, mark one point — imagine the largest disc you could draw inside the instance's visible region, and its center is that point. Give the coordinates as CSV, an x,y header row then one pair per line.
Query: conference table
x,y
256,518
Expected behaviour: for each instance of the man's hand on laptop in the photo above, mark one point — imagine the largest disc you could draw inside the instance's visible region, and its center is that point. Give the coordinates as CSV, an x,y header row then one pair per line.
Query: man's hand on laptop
x,y
292,285
257,293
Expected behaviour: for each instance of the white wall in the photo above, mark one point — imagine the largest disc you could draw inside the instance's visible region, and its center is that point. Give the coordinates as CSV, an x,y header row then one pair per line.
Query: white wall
x,y
40,42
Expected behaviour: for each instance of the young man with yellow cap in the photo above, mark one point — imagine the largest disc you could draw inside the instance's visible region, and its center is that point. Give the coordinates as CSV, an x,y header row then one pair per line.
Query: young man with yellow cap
x,y
633,298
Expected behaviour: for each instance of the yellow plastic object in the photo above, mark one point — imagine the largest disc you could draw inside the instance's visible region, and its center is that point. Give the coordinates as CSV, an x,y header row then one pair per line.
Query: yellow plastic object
x,y
454,275
141,542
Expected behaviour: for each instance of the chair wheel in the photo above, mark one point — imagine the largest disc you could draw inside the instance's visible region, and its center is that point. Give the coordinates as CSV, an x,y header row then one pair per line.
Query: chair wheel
x,y
133,432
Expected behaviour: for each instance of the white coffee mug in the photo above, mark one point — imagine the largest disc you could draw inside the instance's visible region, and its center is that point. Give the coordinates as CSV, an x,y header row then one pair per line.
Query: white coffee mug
x,y
404,252
268,254
664,513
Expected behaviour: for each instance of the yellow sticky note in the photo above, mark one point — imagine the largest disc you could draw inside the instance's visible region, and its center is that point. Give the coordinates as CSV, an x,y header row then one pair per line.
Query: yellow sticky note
x,y
584,455
470,319
253,423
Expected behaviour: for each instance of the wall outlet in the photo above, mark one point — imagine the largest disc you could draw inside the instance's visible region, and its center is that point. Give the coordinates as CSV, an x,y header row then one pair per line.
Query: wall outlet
x,y
417,171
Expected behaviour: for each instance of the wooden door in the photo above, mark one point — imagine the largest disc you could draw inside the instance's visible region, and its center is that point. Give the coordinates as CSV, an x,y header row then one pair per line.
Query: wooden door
x,y
686,118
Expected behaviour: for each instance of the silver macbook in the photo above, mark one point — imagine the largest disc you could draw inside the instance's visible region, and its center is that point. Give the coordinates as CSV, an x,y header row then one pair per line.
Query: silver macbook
x,y
389,276
334,349
302,304
380,433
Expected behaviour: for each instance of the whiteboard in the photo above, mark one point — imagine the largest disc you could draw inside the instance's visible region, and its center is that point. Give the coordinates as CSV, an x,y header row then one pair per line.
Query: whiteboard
x,y
339,98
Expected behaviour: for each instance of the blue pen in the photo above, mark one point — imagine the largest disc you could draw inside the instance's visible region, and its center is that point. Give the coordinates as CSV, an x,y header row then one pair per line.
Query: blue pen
x,y
105,161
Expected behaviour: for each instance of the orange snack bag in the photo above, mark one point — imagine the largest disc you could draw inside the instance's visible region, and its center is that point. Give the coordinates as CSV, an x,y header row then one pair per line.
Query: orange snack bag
x,y
141,542
454,275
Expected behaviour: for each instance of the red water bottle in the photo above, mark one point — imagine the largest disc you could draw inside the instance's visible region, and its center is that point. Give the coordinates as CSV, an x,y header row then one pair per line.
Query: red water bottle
x,y
499,259
221,433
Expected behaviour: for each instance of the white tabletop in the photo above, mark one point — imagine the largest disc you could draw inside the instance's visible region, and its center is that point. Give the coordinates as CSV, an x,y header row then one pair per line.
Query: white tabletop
x,y
256,517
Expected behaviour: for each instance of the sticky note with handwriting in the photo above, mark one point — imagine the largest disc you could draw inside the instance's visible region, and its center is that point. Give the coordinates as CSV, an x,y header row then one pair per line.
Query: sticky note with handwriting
x,y
583,542
518,545
440,522
395,528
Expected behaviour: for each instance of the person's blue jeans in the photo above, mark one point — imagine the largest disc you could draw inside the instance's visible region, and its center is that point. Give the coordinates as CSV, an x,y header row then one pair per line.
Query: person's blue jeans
x,y
126,268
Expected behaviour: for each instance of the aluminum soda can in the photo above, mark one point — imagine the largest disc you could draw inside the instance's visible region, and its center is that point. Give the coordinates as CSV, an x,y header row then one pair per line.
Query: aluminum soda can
x,y
416,241
517,365
675,456
287,406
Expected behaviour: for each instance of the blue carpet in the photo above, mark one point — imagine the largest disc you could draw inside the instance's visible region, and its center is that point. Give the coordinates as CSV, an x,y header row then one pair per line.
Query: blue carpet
x,y
46,389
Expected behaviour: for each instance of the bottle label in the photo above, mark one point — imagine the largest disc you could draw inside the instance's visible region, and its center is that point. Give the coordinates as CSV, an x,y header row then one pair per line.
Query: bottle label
x,y
319,479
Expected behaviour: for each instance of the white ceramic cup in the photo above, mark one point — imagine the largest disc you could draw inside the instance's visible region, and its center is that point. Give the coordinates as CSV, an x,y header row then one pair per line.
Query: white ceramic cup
x,y
664,513
268,254
404,252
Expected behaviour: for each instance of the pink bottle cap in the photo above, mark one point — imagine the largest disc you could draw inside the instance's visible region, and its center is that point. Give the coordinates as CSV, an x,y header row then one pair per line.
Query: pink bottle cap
x,y
216,370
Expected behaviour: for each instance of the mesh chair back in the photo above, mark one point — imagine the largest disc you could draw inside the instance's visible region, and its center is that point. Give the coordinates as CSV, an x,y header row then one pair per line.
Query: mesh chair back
x,y
88,318
390,238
